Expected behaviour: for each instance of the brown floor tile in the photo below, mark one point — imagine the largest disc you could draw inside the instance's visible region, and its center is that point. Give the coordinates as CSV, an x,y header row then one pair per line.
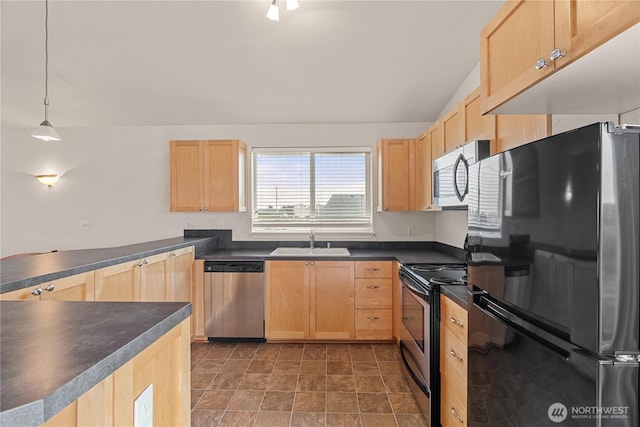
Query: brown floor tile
x,y
235,366
278,401
411,420
254,382
309,401
386,353
312,383
313,367
369,383
359,346
366,368
315,352
211,365
396,384
378,420
342,354
200,379
290,354
391,368
245,400
195,396
244,351
272,419
403,403
307,419
283,382
263,366
205,418
214,399
339,368
342,402
219,353
341,383
374,403
287,366
225,382
238,418
268,351
343,420
292,345
362,355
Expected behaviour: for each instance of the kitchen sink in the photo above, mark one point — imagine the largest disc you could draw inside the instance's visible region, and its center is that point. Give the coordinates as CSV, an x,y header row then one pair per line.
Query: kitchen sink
x,y
306,252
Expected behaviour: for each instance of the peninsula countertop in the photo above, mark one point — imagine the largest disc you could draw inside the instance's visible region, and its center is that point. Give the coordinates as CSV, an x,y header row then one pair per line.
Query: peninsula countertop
x,y
52,352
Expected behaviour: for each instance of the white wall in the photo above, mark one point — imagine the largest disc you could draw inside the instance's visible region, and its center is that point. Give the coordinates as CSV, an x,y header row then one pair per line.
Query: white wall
x,y
117,180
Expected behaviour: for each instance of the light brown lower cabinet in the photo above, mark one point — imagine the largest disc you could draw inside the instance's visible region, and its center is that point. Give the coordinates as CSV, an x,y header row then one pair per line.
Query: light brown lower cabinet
x,y
374,300
79,287
453,363
165,364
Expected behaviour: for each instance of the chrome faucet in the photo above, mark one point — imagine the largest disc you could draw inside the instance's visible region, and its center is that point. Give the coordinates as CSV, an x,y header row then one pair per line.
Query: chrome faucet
x,y
312,239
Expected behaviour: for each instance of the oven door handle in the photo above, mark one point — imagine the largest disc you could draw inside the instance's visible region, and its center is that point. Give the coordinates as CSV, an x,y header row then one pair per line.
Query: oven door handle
x,y
413,289
420,381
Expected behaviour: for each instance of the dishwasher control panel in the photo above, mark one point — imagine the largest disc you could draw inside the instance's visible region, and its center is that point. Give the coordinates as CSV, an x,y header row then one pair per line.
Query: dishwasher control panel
x,y
234,266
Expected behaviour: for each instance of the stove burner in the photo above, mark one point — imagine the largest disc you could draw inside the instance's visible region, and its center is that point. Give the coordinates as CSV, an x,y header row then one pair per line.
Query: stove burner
x,y
447,281
427,268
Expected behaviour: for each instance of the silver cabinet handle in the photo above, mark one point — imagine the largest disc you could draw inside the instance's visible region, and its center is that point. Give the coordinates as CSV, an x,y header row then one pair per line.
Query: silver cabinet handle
x,y
453,353
206,208
146,261
140,263
456,321
36,291
373,269
407,318
455,414
313,263
373,318
174,253
557,53
201,209
50,287
373,287
386,209
541,63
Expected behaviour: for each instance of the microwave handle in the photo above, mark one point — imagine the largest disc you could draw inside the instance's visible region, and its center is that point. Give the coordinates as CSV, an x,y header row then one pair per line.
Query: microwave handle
x,y
462,160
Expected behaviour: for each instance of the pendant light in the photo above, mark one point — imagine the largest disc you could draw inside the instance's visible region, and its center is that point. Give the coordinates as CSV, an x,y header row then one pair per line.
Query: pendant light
x,y
46,131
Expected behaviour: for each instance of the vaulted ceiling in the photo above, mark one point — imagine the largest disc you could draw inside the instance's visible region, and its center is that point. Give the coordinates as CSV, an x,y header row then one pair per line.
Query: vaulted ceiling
x,y
114,63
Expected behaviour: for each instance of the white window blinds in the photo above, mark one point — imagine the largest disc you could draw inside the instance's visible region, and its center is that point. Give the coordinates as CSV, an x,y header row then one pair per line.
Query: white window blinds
x,y
311,188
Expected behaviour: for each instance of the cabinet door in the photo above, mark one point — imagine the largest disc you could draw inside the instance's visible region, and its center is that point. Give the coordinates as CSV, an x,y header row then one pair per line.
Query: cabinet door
x,y
153,277
453,128
332,303
397,185
118,282
581,26
186,176
477,126
180,275
436,138
423,173
518,35
287,300
79,287
221,185
24,294
515,130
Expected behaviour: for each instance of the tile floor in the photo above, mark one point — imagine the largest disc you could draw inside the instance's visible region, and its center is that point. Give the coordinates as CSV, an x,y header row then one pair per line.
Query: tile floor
x,y
300,385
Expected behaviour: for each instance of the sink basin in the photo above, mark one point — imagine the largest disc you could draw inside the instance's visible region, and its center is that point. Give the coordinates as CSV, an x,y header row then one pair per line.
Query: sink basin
x,y
306,252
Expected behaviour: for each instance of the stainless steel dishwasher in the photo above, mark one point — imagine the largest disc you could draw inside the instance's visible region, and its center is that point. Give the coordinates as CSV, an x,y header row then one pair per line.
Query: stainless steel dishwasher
x,y
234,300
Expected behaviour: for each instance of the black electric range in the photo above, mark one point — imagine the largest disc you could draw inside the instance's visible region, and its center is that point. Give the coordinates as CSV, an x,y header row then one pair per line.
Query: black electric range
x,y
429,277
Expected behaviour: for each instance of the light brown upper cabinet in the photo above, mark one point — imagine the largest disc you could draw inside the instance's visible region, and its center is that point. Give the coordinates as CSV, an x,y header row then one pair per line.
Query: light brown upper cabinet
x,y
208,176
436,136
527,41
423,172
453,128
513,130
396,172
477,126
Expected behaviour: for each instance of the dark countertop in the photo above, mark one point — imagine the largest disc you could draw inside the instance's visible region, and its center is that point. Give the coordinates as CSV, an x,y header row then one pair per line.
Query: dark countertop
x,y
27,271
457,294
53,352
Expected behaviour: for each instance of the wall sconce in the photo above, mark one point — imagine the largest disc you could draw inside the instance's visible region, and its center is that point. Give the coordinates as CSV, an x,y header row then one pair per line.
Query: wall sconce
x,y
48,179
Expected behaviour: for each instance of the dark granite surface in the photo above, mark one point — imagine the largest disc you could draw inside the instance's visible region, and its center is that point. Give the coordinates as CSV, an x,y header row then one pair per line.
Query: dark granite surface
x,y
457,294
22,272
53,352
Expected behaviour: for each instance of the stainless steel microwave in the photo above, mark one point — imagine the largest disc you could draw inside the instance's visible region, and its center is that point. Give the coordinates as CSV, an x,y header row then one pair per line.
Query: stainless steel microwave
x,y
451,174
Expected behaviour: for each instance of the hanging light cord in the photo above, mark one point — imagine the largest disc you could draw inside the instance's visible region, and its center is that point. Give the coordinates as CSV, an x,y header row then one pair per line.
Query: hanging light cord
x,y
46,59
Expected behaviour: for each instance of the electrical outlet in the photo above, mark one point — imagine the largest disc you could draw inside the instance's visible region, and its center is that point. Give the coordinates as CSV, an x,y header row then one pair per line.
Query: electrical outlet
x,y
411,231
143,408
85,224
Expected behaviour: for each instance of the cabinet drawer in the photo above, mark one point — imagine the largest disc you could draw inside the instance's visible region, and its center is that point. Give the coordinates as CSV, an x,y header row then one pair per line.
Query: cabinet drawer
x,y
374,324
453,317
453,360
453,407
373,293
373,269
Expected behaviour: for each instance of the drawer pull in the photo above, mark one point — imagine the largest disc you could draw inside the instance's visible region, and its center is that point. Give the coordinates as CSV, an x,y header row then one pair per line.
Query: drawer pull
x,y
557,53
453,353
36,291
50,287
373,287
373,318
456,321
407,318
174,253
455,414
373,269
541,63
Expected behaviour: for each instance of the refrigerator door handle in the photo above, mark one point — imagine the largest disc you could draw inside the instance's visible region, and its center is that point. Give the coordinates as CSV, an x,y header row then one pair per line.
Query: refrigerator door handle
x,y
501,315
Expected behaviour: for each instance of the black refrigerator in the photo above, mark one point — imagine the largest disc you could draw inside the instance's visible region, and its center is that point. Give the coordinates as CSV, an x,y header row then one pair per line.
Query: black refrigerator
x,y
552,253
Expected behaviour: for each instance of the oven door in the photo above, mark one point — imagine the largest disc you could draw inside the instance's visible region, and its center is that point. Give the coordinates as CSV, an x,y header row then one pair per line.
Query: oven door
x,y
415,346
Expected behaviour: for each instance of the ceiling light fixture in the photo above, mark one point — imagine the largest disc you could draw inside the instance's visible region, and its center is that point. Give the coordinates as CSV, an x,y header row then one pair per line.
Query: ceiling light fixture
x,y
48,179
274,10
46,131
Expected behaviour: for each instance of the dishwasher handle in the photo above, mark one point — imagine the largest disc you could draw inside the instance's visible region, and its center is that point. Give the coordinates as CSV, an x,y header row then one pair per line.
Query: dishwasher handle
x,y
234,266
